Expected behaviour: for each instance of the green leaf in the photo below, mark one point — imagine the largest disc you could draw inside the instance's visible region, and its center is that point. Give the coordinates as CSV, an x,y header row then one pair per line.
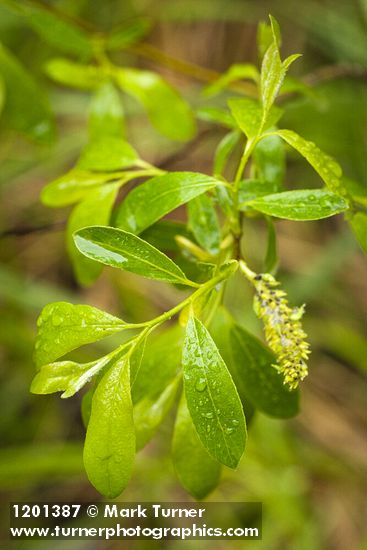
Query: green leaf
x,y
269,161
356,190
106,113
66,376
109,449
129,34
72,187
212,398
86,406
196,470
26,109
220,329
159,364
359,226
327,168
126,251
107,153
272,76
262,383
158,196
271,257
216,115
248,190
94,209
273,70
76,75
150,412
168,112
304,204
162,234
249,115
63,327
223,151
58,32
203,222
239,71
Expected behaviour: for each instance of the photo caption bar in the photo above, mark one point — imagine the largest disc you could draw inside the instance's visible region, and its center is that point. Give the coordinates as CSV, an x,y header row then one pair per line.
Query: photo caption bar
x,y
136,521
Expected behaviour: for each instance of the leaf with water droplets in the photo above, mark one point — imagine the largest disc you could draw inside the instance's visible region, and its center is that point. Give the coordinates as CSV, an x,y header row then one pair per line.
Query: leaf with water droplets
x,y
109,449
249,115
262,384
212,398
155,198
303,204
63,327
72,187
126,251
203,222
196,470
273,70
66,376
151,411
327,168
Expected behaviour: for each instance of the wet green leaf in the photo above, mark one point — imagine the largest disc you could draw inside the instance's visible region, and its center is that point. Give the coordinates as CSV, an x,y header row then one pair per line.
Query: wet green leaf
x,y
212,398
262,383
66,376
273,70
248,114
63,327
304,204
327,168
196,470
94,209
168,112
203,222
163,194
72,187
109,449
26,108
248,190
126,251
220,329
150,412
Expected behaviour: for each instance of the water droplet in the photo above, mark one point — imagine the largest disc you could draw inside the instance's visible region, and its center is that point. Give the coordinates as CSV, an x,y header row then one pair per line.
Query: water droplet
x,y
40,321
235,422
229,430
57,320
200,384
209,415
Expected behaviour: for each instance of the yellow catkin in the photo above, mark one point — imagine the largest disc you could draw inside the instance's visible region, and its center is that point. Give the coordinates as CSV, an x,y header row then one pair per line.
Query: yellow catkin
x,y
283,328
